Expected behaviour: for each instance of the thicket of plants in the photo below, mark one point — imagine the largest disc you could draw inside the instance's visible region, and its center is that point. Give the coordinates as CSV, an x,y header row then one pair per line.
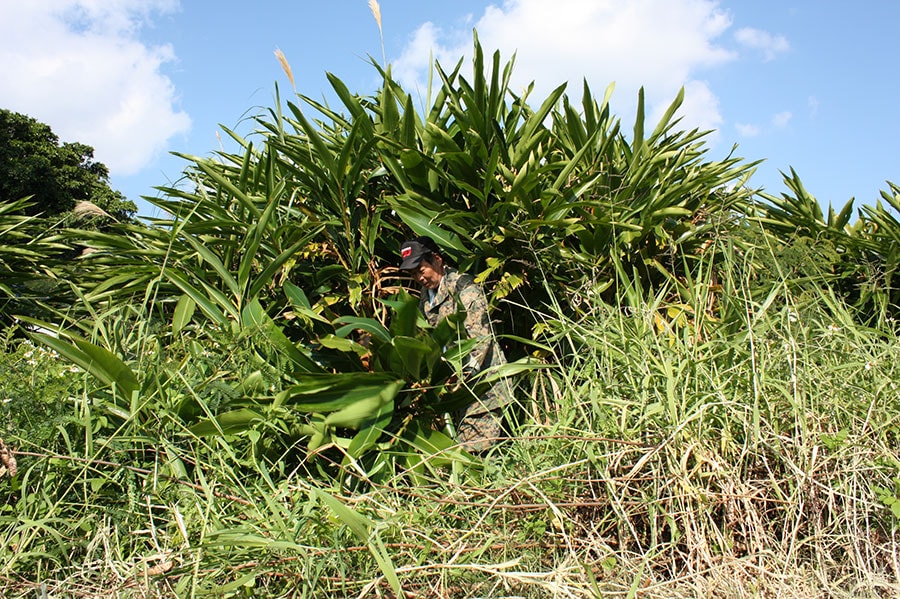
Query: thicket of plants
x,y
238,398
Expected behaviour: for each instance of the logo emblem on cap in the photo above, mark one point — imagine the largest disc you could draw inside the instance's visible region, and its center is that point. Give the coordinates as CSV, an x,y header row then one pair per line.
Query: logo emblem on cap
x,y
406,252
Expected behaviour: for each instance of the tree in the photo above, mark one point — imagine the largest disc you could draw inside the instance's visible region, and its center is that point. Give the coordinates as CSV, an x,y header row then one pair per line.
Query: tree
x,y
57,176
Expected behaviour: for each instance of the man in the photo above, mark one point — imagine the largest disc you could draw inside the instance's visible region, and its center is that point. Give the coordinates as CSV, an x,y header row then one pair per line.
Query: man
x,y
444,290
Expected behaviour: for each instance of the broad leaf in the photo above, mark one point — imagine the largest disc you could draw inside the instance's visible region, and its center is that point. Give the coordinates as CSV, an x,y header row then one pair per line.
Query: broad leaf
x,y
95,360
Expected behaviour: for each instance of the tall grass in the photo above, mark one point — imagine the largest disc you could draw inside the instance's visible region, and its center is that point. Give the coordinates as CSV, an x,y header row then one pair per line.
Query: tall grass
x,y
744,445
767,452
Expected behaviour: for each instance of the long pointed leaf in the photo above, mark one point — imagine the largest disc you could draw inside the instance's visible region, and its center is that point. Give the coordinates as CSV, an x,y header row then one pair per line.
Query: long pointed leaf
x,y
95,360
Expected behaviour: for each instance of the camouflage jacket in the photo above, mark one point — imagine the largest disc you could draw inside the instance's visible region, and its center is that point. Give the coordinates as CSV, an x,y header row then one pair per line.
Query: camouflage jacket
x,y
456,289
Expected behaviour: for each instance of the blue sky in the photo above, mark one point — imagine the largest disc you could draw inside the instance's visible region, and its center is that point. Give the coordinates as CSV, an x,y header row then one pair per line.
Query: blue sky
x,y
809,84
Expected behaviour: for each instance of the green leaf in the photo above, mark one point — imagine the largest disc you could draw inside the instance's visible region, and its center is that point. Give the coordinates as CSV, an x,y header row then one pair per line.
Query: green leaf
x,y
175,465
300,303
406,314
356,522
411,352
235,421
265,277
96,360
369,325
211,169
451,328
670,211
432,448
296,296
666,121
361,527
350,101
252,384
184,311
370,432
213,260
202,299
331,392
383,558
456,353
245,581
510,369
637,143
423,222
342,344
359,412
249,253
254,315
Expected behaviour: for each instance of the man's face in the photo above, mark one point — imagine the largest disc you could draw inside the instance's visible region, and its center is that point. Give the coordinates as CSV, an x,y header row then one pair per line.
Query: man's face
x,y
429,274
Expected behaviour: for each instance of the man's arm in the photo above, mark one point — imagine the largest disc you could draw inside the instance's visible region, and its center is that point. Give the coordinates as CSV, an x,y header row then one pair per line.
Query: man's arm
x,y
478,326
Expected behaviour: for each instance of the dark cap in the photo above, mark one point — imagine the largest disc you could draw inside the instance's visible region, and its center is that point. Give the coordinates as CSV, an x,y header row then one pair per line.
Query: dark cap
x,y
413,252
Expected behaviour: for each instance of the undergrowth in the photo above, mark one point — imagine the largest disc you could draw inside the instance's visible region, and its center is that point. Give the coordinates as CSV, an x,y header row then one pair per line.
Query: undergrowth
x,y
748,449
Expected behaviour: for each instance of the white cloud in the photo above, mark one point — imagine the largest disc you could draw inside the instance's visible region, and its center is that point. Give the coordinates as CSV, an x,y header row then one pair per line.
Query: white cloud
x,y
746,129
658,45
699,110
80,67
770,45
781,119
417,55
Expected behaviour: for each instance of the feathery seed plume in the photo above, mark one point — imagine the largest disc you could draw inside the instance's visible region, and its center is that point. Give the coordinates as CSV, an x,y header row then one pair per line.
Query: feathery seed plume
x,y
286,67
85,208
376,12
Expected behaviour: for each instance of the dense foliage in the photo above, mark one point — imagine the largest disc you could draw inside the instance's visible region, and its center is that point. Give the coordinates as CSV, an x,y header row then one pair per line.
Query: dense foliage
x,y
240,398
33,163
51,194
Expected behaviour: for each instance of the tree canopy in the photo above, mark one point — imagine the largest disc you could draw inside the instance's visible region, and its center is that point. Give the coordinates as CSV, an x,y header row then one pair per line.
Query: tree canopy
x,y
56,175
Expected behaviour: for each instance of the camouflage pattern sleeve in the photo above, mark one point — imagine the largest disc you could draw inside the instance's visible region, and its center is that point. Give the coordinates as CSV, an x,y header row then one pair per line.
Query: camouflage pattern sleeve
x,y
477,324
461,291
